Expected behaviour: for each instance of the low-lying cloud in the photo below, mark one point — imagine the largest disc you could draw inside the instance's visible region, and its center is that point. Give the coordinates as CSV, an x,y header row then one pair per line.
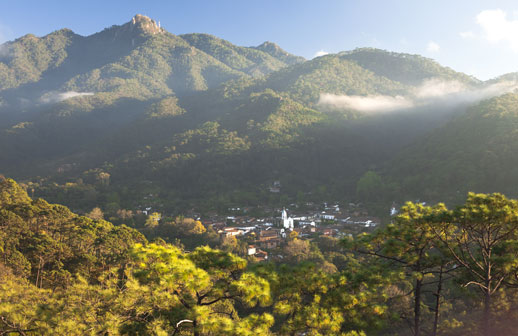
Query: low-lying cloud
x,y
56,97
437,88
6,51
368,104
432,91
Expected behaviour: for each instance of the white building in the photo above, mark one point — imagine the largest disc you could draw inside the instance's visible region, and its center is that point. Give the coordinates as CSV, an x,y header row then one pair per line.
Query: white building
x,y
325,216
251,250
287,222
393,211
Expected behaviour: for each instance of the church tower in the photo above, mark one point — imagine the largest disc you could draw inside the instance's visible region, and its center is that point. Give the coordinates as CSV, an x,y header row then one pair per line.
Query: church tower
x,y
287,222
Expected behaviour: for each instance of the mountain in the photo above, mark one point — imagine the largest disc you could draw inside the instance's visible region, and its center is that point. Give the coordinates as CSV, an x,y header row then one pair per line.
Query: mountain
x,y
65,86
477,151
404,68
199,120
277,52
137,59
255,62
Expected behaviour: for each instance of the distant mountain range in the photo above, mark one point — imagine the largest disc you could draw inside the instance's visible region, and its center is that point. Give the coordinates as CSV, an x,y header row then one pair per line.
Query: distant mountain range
x,y
198,120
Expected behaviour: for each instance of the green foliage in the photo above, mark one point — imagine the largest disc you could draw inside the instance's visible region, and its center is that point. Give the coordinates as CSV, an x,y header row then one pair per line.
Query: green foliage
x,y
276,51
474,152
27,58
404,68
409,245
331,74
318,303
48,244
195,114
205,284
369,186
252,61
65,274
482,236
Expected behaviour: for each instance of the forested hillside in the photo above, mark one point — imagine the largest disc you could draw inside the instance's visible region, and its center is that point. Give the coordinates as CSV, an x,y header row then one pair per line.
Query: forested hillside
x,y
61,273
476,151
201,122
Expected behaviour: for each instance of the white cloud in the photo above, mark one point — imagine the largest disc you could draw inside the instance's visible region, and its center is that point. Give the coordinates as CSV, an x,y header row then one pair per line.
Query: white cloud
x,y
467,35
497,28
434,88
56,97
454,92
432,47
320,53
431,91
5,50
493,90
367,104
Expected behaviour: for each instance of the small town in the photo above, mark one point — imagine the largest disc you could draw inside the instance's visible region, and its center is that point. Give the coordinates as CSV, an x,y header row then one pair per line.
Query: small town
x,y
266,235
266,230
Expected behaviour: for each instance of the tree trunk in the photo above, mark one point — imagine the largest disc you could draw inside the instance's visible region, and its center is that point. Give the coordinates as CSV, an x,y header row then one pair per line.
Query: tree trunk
x,y
437,303
195,329
417,307
486,318
38,274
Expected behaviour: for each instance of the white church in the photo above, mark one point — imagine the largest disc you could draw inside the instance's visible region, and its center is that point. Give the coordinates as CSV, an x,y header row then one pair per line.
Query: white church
x,y
286,222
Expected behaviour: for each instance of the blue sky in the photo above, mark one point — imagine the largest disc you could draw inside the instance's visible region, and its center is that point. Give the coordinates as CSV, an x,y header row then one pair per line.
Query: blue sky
x,y
476,37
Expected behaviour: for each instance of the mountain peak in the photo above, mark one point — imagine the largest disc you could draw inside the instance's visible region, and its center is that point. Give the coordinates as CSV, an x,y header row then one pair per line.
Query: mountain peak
x,y
270,47
279,53
144,24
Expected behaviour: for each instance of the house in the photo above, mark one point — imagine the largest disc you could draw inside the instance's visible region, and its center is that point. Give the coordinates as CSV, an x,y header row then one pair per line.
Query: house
x,y
276,187
367,221
246,229
326,216
269,239
261,255
228,232
269,244
269,234
218,225
147,211
251,250
275,190
329,232
306,223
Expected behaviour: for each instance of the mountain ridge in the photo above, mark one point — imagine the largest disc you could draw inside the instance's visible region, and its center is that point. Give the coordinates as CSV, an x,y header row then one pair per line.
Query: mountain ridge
x,y
197,114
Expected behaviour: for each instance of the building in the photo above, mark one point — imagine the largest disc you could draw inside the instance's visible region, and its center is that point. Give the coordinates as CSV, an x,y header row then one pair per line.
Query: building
x,y
261,255
306,223
393,211
270,243
228,232
286,222
269,239
276,187
251,250
326,216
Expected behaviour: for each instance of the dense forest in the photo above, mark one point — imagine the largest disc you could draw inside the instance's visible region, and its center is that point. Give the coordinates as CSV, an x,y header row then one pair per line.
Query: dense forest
x,y
107,119
432,271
